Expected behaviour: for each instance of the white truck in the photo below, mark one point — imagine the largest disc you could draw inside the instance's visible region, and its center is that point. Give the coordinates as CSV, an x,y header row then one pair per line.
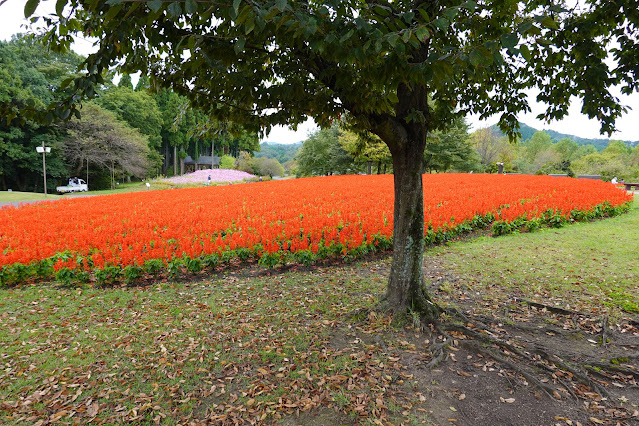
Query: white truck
x,y
75,185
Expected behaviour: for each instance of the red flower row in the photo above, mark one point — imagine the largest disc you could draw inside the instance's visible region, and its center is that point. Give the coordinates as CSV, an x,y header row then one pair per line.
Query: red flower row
x,y
290,215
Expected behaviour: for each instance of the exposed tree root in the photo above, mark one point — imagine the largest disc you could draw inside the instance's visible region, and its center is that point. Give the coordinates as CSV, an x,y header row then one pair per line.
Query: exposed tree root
x,y
553,309
611,367
581,377
604,330
439,352
520,369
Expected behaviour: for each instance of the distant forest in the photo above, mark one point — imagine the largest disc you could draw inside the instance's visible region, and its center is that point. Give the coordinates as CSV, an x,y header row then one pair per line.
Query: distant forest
x,y
281,152
527,132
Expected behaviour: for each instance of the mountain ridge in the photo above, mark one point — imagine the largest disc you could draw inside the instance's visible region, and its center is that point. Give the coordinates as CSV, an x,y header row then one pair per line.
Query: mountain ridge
x,y
599,143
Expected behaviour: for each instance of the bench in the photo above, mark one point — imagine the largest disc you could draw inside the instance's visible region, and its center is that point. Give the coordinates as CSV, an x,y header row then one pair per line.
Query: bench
x,y
629,186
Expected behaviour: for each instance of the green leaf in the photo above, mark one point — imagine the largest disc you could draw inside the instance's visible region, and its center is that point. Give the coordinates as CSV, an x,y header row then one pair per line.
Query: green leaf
x,y
281,5
156,5
382,10
112,12
477,58
239,45
392,40
548,22
271,14
509,40
131,9
441,23
406,36
30,7
469,5
250,24
422,34
451,13
524,27
59,6
175,10
236,6
190,6
408,17
525,52
346,36
66,82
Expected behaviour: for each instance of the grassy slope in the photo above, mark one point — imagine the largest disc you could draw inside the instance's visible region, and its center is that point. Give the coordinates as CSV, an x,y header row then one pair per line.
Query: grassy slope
x,y
585,266
7,197
264,347
15,196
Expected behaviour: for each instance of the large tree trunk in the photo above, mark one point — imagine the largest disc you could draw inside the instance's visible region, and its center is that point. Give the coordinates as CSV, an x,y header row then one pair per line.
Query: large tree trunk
x,y
406,288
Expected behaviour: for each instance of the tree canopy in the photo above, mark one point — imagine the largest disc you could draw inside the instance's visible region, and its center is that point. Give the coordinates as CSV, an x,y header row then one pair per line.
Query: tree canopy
x,y
102,140
322,154
29,75
398,69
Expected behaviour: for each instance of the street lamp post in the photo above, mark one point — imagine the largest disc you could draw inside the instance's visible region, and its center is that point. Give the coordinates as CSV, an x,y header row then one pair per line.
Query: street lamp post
x,y
44,150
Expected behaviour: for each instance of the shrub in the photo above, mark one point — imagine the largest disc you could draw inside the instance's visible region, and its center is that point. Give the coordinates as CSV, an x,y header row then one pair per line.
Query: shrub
x,y
194,265
15,274
132,273
227,162
153,266
267,167
109,275
69,277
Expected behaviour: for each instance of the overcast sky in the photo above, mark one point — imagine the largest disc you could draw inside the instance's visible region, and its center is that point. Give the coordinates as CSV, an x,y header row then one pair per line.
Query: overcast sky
x,y
12,21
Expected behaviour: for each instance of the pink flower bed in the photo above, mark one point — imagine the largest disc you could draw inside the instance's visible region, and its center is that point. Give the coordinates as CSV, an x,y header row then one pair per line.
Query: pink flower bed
x,y
217,175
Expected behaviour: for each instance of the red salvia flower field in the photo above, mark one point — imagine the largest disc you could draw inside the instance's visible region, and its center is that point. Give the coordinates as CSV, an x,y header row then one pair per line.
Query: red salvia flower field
x,y
310,218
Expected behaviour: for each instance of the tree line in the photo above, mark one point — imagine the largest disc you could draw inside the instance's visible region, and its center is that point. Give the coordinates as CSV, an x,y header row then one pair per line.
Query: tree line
x,y
124,132
336,150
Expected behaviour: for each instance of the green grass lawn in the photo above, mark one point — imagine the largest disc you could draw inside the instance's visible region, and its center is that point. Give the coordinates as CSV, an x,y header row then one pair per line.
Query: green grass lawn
x,y
585,266
16,196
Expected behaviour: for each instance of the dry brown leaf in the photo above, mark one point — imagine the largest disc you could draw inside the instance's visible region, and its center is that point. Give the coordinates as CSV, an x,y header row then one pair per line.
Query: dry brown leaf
x,y
93,409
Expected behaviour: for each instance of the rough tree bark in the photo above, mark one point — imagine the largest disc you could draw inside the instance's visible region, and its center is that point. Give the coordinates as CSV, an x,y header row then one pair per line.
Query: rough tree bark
x,y
406,288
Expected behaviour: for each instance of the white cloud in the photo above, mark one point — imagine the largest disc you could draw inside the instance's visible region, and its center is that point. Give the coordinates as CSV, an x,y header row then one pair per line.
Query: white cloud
x,y
281,134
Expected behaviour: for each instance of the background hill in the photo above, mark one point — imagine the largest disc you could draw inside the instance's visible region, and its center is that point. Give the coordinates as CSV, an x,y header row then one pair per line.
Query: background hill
x,y
600,143
278,151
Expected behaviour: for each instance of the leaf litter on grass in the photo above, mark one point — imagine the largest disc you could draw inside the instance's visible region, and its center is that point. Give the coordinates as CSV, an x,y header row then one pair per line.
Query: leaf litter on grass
x,y
230,349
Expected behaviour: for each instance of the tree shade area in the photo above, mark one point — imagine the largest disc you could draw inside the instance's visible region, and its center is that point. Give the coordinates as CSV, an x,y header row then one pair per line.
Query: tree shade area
x,y
398,70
